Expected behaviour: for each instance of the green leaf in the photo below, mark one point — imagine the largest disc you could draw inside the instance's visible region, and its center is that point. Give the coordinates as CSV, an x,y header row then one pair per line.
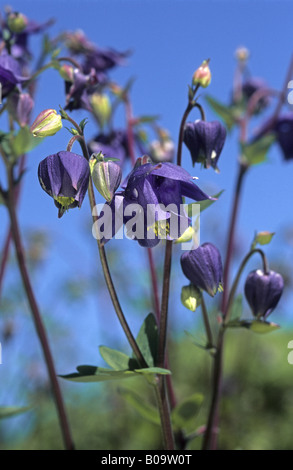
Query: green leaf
x,y
97,374
83,123
229,114
23,142
183,415
8,411
257,326
147,340
87,373
203,204
153,370
146,410
117,360
256,152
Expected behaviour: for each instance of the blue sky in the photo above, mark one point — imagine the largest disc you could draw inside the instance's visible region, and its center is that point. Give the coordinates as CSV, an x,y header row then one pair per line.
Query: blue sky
x,y
169,40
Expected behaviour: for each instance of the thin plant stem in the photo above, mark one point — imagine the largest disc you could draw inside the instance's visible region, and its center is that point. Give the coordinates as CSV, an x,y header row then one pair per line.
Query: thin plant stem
x,y
105,266
164,410
231,235
188,109
206,323
154,281
36,315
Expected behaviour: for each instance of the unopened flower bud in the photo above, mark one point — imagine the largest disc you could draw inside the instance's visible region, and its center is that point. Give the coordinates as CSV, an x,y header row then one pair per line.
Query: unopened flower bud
x,y
67,72
263,292
203,268
202,76
106,177
17,22
102,107
263,238
48,123
190,297
20,106
242,54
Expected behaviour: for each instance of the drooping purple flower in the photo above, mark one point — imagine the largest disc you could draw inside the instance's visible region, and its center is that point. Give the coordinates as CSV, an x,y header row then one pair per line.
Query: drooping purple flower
x,y
65,177
155,193
283,129
205,141
78,91
103,60
10,74
263,292
203,268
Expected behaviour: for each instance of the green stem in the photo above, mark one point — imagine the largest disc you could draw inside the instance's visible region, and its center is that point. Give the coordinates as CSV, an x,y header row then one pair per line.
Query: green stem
x,y
105,266
164,411
36,314
206,323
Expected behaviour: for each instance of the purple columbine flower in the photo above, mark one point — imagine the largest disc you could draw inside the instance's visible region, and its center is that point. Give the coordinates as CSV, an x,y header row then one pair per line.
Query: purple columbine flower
x,y
151,189
203,268
65,177
10,74
205,141
78,91
283,129
263,292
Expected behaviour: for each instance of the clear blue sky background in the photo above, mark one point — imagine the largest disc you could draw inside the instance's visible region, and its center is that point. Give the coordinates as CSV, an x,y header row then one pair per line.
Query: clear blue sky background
x,y
169,40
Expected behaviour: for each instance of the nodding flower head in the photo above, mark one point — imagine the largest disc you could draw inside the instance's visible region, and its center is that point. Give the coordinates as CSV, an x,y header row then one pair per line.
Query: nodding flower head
x,y
155,192
205,141
203,268
263,292
65,177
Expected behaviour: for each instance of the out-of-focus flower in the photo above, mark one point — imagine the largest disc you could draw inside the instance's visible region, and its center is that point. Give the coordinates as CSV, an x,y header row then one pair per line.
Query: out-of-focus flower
x,y
263,292
202,76
112,145
20,106
102,60
203,268
242,54
17,22
46,124
102,107
205,141
148,187
283,129
19,46
10,74
79,90
77,42
253,85
65,177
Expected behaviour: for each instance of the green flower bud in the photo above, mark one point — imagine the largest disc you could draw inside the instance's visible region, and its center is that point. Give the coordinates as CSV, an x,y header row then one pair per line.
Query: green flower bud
x,y
46,124
263,238
202,76
17,22
190,297
102,108
106,177
67,72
